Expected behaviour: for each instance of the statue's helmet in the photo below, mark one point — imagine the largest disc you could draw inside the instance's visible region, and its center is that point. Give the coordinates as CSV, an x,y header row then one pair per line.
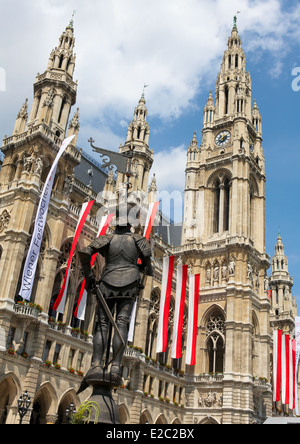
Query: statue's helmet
x,y
129,214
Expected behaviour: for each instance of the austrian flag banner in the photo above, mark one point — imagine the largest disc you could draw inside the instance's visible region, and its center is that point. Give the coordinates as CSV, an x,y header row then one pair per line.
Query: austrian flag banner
x,y
150,219
80,309
38,231
277,364
60,302
166,289
193,320
182,272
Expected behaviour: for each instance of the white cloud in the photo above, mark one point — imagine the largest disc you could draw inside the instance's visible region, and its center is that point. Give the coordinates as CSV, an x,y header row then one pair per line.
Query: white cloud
x,y
172,45
176,159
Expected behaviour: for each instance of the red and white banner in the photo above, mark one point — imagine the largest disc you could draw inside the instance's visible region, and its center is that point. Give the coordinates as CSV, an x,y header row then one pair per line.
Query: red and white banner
x,y
39,226
60,302
147,231
193,320
277,364
150,219
292,374
285,374
81,305
284,369
297,345
182,273
165,299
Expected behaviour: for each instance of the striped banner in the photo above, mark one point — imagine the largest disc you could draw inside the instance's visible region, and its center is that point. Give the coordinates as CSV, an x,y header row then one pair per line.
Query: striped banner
x,y
285,374
297,345
193,320
165,299
81,305
60,302
153,207
292,403
182,272
277,364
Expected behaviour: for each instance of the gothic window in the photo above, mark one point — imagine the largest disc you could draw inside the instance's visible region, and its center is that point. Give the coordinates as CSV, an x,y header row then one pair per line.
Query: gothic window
x,y
216,206
226,99
229,61
215,343
226,204
236,61
37,104
68,63
61,59
221,209
61,109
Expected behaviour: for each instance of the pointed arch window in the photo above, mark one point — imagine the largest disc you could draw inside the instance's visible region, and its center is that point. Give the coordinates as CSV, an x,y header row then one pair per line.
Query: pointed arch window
x,y
61,59
226,204
63,103
215,343
221,216
236,61
216,206
226,99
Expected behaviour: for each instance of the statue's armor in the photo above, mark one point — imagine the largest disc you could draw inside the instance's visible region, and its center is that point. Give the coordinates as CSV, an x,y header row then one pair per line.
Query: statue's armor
x,y
121,261
121,276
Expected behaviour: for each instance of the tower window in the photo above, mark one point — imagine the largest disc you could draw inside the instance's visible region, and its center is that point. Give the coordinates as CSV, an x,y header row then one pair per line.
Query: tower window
x,y
226,99
217,207
61,109
61,61
236,61
226,204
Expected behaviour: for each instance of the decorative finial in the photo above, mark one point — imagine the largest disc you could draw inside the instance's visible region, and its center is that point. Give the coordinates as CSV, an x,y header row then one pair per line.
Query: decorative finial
x,y
235,21
143,93
71,24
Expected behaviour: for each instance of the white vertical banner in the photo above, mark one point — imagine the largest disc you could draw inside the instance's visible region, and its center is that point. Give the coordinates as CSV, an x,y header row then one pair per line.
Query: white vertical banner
x,y
297,334
194,287
40,222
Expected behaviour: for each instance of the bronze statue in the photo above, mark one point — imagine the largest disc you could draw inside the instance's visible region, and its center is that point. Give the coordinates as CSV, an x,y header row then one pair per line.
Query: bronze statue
x,y
117,290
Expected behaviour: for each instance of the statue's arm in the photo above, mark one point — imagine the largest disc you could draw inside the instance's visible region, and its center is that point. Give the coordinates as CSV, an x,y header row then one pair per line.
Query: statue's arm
x,y
97,246
145,254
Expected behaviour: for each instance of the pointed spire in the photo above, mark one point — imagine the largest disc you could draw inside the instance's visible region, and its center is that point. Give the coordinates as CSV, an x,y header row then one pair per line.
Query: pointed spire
x,y
71,24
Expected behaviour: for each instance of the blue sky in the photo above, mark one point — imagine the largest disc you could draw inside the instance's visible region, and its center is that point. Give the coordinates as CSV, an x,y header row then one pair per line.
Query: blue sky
x,y
175,46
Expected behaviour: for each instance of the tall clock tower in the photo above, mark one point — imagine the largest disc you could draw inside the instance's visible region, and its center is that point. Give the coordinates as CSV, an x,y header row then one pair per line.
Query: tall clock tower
x,y
223,238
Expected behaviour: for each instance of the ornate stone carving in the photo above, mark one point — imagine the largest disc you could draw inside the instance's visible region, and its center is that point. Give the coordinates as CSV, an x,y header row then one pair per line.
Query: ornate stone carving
x,y
4,220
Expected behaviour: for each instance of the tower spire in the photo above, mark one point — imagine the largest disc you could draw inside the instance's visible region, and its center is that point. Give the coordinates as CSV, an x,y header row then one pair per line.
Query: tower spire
x,y
54,90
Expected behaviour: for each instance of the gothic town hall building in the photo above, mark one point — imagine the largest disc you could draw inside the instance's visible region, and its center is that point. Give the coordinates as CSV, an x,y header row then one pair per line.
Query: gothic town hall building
x,y
222,238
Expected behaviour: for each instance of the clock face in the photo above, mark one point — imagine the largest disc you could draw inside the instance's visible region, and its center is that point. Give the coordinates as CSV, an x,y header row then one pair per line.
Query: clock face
x,y
223,138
